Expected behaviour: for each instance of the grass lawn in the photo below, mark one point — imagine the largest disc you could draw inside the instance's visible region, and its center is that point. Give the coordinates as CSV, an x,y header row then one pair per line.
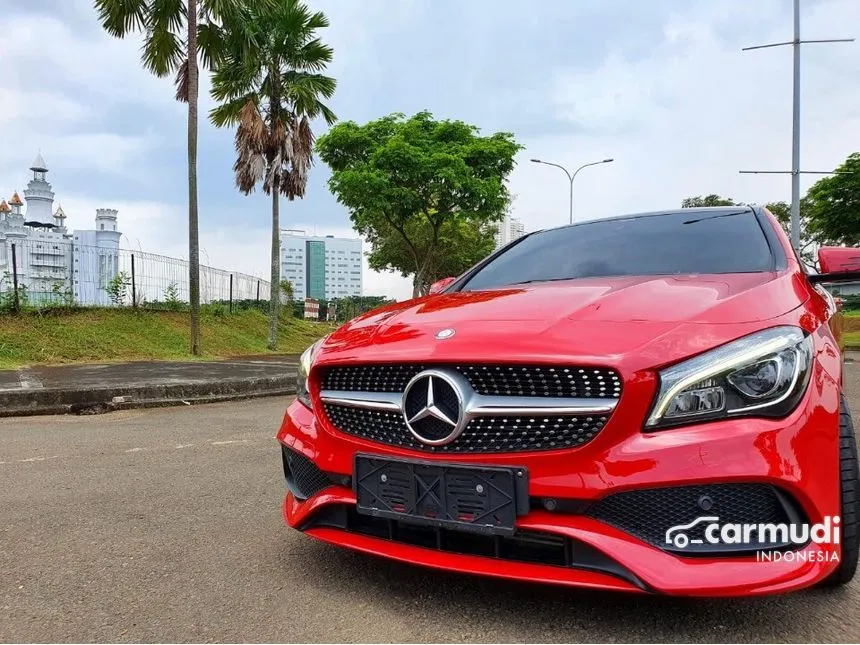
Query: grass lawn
x,y
109,335
852,330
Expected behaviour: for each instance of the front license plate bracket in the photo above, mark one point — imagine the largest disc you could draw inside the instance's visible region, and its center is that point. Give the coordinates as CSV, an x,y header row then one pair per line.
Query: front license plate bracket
x,y
463,497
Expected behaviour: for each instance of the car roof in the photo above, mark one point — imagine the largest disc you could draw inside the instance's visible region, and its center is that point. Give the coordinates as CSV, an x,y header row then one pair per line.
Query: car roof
x,y
701,211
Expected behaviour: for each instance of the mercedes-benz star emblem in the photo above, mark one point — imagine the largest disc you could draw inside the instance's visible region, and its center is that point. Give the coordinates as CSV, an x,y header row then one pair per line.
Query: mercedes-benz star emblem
x,y
444,333
433,407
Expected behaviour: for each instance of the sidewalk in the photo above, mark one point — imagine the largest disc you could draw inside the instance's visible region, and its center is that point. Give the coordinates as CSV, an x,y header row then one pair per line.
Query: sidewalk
x,y
92,389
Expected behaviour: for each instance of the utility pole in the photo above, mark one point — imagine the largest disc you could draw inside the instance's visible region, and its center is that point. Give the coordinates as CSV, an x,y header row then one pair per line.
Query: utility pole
x,y
795,171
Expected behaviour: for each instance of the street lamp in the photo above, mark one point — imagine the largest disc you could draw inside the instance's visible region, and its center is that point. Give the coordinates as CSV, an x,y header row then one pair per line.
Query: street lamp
x,y
573,176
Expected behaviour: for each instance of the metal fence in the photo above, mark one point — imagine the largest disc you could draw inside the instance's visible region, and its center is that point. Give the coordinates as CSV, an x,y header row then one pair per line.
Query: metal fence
x,y
48,272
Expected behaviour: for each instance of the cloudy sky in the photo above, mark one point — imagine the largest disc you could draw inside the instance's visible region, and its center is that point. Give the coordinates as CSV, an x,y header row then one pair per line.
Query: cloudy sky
x,y
660,85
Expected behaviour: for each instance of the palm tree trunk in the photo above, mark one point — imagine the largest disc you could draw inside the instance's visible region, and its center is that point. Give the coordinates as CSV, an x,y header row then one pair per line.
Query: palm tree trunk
x,y
193,239
275,296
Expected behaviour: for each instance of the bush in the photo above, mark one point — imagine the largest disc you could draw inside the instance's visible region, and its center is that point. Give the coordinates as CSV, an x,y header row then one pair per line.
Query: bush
x,y
216,308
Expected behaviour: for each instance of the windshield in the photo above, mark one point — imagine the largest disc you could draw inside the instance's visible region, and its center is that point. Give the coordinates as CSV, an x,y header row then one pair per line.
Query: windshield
x,y
666,244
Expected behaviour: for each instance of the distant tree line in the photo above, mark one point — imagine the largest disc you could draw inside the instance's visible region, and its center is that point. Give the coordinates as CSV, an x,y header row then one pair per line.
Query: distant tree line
x,y
829,212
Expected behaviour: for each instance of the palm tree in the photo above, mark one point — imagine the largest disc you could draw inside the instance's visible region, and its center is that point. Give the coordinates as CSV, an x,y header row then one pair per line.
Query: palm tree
x,y
271,91
176,34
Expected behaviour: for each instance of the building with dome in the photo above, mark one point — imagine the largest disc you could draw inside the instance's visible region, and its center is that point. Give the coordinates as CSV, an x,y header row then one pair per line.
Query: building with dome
x,y
54,264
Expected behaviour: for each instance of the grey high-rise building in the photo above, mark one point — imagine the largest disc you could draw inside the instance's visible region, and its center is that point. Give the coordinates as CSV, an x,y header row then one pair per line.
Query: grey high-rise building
x,y
321,267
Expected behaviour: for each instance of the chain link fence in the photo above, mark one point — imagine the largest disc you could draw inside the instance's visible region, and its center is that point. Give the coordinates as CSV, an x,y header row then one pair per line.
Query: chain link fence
x,y
45,273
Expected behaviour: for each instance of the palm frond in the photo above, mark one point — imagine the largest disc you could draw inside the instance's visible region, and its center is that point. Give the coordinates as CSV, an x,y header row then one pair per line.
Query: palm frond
x,y
211,44
230,112
122,17
162,51
251,133
317,21
328,115
181,82
313,56
167,14
278,59
249,169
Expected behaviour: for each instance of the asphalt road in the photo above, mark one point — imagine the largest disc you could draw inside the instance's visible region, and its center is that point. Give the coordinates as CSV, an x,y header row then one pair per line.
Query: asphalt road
x,y
164,525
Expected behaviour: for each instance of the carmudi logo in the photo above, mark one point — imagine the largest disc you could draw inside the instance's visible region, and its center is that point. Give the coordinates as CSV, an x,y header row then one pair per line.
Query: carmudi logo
x,y
709,530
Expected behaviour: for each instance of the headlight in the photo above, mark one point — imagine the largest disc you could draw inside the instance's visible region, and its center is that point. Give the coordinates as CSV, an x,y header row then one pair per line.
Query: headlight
x,y
764,374
305,362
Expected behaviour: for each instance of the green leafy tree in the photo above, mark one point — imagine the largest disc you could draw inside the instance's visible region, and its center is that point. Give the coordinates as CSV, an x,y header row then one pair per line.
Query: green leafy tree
x,y
171,297
702,201
462,243
809,238
117,288
61,292
178,37
351,306
411,184
287,298
287,291
271,93
7,294
834,204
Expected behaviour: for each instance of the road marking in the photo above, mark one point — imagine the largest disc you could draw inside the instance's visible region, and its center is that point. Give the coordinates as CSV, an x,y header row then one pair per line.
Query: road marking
x,y
227,443
28,379
24,461
184,445
135,449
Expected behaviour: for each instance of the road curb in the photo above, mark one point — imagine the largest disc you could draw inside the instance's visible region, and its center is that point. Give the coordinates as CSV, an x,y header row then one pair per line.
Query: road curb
x,y
32,402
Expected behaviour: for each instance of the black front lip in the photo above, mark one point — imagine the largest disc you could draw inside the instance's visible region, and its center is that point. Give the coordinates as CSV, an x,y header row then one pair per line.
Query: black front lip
x,y
533,547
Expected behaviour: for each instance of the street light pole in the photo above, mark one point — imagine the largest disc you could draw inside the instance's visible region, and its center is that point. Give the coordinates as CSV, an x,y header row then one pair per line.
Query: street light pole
x,y
571,177
795,171
795,134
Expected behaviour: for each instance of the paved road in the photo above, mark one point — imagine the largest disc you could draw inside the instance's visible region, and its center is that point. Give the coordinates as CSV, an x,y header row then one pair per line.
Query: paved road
x,y
164,525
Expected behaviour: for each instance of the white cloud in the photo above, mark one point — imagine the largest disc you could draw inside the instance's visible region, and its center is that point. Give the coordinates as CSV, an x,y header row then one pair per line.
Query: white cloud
x,y
679,107
686,118
63,95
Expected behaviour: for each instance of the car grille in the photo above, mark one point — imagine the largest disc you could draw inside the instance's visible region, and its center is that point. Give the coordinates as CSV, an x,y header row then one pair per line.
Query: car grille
x,y
303,478
649,513
485,434
491,380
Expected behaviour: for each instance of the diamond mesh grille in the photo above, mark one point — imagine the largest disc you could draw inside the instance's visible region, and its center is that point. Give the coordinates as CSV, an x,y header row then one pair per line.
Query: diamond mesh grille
x,y
498,380
649,514
485,434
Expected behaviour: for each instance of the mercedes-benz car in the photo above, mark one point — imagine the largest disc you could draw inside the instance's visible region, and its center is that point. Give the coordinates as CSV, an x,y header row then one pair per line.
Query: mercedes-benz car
x,y
552,413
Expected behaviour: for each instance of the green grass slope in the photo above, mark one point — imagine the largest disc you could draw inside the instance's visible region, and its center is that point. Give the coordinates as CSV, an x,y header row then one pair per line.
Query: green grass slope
x,y
109,335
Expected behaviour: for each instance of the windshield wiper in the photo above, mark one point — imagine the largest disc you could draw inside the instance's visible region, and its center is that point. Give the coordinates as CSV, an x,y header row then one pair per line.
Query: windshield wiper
x,y
702,219
514,284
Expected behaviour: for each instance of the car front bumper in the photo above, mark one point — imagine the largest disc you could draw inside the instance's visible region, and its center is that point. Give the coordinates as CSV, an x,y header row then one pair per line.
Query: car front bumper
x,y
798,455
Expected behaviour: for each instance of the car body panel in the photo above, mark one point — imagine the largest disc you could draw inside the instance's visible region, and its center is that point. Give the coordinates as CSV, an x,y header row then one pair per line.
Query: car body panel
x,y
636,325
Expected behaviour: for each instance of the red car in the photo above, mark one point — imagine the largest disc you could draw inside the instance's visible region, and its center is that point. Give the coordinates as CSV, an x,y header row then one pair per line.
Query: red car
x,y
648,403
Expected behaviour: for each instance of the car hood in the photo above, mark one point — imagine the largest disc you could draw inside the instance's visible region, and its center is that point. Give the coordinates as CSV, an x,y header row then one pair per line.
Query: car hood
x,y
659,317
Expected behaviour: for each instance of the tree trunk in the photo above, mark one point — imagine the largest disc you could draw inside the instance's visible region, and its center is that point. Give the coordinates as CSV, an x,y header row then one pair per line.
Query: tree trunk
x,y
193,239
275,298
419,283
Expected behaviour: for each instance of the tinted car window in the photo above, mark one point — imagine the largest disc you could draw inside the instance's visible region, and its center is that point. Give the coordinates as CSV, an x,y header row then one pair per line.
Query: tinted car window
x,y
667,244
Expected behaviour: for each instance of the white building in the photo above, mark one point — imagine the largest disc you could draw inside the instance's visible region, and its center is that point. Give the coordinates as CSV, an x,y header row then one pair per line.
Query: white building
x,y
53,264
322,268
508,230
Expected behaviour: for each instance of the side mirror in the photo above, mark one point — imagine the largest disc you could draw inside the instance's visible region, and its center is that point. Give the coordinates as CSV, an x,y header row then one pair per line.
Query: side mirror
x,y
440,285
838,264
837,259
